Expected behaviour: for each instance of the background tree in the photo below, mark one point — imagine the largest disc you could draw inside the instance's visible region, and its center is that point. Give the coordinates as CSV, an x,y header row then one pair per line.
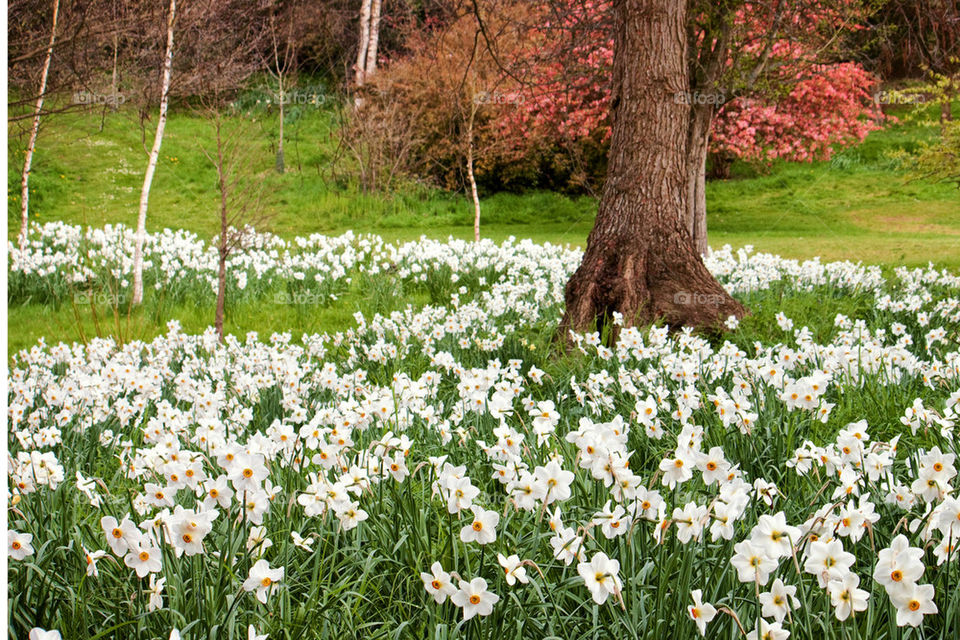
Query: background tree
x,y
285,22
366,64
54,65
239,187
909,39
218,52
28,156
137,297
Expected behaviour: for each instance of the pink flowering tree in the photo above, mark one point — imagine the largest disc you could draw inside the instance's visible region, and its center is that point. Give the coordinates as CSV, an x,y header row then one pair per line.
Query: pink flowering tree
x,y
764,85
827,107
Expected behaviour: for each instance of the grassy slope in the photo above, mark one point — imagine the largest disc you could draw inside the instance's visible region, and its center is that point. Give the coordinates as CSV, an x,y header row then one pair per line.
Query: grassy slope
x,y
857,206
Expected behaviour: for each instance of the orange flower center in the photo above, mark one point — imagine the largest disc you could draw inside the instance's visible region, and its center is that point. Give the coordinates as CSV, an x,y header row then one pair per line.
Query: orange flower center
x,y
475,599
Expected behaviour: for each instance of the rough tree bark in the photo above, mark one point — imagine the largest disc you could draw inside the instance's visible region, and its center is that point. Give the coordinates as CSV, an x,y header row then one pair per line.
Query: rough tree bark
x,y
152,162
707,54
640,260
695,169
34,130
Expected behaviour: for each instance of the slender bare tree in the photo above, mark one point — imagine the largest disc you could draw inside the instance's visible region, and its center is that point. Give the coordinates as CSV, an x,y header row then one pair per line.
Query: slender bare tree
x,y
152,162
474,105
31,145
239,188
281,65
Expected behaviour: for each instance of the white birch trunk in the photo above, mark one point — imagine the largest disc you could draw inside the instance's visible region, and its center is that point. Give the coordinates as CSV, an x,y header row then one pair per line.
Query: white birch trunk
x,y
34,130
470,176
152,163
361,65
114,79
280,166
371,67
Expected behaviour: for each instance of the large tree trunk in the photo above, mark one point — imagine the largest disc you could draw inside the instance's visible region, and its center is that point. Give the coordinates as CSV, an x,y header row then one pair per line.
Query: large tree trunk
x,y
152,162
640,260
34,130
696,175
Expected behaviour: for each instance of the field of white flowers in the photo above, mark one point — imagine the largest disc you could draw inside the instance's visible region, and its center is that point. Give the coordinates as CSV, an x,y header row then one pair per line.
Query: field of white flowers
x,y
444,471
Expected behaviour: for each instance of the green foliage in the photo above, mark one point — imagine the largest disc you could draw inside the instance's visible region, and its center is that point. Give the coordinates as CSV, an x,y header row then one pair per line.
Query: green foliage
x,y
937,159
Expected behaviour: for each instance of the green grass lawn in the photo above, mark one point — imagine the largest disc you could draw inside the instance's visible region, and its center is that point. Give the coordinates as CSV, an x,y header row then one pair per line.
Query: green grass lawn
x,y
858,206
